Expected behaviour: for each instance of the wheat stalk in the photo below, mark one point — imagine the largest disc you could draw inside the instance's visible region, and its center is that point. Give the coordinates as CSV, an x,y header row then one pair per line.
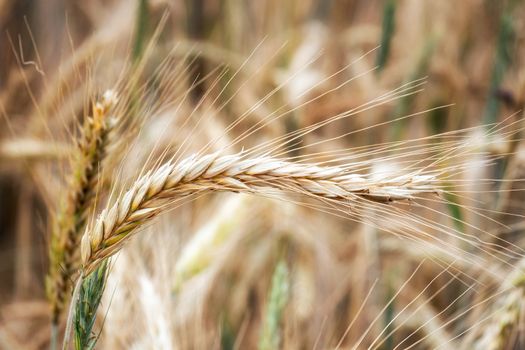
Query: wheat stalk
x,y
89,298
70,221
32,150
271,332
149,195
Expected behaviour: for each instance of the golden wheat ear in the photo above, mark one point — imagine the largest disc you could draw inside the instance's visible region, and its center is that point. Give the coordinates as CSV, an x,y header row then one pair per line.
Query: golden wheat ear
x,y
79,199
153,192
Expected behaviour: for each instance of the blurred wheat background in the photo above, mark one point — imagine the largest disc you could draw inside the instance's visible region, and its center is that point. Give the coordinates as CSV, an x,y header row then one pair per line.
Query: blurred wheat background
x,y
421,99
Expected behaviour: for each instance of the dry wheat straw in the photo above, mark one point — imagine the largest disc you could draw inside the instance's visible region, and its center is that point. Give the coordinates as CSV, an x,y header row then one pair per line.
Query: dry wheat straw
x,y
149,194
81,191
32,150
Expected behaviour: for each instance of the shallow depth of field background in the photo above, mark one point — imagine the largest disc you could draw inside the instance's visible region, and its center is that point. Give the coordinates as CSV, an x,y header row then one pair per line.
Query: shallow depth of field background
x,y
266,273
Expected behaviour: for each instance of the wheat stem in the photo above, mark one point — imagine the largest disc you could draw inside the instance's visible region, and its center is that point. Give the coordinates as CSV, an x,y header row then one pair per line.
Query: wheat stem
x,y
271,334
85,314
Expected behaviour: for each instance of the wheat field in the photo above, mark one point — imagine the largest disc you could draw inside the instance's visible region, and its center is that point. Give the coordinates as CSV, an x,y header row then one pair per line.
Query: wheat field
x,y
228,174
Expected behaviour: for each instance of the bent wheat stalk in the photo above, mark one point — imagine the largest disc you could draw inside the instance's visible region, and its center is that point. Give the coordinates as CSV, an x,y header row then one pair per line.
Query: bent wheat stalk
x,y
71,219
151,193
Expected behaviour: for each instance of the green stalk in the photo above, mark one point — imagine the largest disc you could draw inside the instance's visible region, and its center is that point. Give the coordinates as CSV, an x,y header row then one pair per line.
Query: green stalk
x,y
502,61
86,307
405,104
388,28
270,337
141,28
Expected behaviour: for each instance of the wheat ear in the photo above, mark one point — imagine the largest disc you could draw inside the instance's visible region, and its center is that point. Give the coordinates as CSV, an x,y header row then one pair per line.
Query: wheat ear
x,y
149,195
81,192
497,334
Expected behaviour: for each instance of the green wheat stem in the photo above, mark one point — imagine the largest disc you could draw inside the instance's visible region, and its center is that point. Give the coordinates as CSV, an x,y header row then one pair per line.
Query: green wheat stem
x,y
87,304
502,61
271,334
388,28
